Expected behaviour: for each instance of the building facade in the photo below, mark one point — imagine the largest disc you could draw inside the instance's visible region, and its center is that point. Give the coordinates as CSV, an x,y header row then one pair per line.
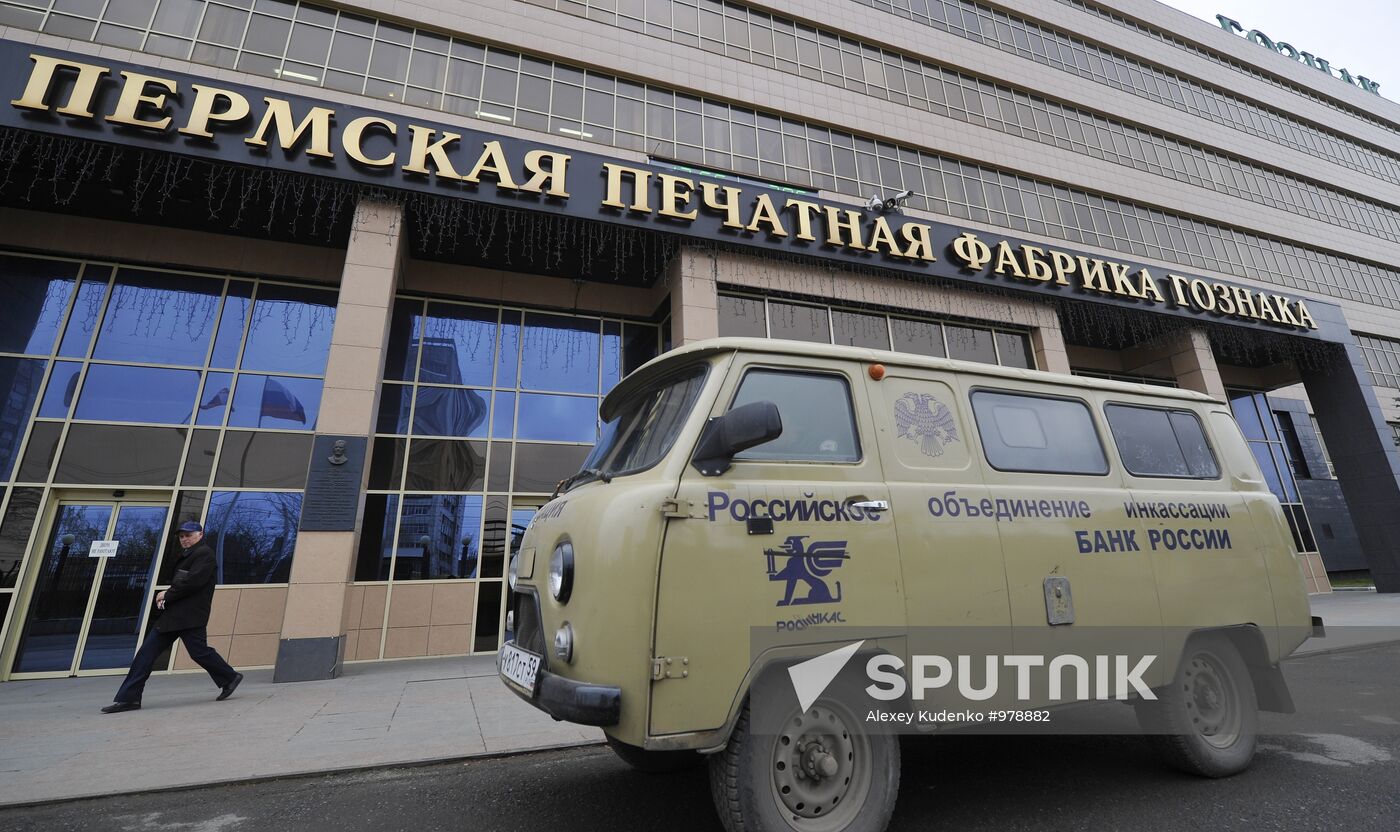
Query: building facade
x,y
348,281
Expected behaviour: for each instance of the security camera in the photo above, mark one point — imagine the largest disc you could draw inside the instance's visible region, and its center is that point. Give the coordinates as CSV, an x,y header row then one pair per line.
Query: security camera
x,y
875,203
894,202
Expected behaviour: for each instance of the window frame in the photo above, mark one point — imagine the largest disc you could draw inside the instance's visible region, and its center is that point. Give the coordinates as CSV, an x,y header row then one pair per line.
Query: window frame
x,y
1089,409
1210,446
845,379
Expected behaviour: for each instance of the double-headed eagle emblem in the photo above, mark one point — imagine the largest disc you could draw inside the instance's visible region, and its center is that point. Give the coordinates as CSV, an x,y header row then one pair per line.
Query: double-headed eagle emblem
x,y
922,418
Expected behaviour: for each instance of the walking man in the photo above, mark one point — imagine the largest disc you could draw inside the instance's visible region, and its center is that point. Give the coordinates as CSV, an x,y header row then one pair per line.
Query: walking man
x,y
186,613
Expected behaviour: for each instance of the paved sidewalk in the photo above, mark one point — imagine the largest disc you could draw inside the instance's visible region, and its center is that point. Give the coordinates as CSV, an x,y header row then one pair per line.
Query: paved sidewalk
x,y
54,744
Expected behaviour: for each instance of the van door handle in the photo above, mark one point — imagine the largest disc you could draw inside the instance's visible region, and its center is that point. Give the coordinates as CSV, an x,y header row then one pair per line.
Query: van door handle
x,y
871,505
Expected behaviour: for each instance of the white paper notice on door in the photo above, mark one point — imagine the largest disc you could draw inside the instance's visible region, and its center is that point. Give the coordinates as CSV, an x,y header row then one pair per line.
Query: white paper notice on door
x,y
102,549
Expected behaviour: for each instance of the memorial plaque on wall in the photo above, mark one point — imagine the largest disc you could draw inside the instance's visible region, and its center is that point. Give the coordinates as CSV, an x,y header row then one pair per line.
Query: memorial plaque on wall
x,y
333,484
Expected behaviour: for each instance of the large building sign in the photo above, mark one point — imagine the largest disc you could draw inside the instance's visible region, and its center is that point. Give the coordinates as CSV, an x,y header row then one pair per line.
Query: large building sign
x,y
69,95
1288,50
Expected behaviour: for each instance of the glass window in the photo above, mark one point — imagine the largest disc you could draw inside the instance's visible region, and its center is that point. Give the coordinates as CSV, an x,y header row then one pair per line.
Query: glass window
x,y
560,354
199,460
446,465
1014,350
263,460
818,422
394,403
451,411
36,294
918,337
386,462
1016,431
970,344
557,418
38,454
20,379
856,330
120,455
1153,442
122,393
1291,445
377,537
742,317
62,389
540,467
14,532
231,323
290,330
275,402
159,318
799,323
253,535
439,537
214,399
459,344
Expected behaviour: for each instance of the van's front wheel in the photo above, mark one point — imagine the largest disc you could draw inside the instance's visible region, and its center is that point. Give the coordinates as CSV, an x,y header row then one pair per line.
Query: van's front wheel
x,y
819,771
1206,721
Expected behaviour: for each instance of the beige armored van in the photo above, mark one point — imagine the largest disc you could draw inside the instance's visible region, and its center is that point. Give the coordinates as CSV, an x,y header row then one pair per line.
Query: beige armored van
x,y
745,487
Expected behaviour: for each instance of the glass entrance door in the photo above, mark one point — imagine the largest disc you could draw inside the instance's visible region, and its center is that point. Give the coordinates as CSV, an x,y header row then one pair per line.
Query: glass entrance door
x,y
92,588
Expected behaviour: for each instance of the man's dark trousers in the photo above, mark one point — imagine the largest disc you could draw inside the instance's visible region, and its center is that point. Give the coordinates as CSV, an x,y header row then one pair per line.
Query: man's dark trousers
x,y
156,643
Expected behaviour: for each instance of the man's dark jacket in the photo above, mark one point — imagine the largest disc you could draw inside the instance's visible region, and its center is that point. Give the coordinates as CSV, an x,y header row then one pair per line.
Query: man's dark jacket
x,y
191,591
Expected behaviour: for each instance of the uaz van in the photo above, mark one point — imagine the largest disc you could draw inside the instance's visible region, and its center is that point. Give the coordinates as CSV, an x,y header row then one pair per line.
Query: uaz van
x,y
743,487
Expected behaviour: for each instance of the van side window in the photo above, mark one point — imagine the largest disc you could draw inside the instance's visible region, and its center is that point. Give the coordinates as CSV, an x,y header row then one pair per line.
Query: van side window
x,y
818,422
1037,434
1155,442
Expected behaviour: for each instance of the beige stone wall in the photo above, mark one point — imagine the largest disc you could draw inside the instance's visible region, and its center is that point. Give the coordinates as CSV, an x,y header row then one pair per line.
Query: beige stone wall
x,y
243,626
428,618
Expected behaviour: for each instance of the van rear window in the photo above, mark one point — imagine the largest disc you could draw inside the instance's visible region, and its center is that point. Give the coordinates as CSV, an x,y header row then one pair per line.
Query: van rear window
x,y
1155,442
1037,434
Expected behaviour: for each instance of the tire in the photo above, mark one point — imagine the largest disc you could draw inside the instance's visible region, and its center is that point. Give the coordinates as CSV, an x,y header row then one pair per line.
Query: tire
x,y
1206,721
654,762
747,778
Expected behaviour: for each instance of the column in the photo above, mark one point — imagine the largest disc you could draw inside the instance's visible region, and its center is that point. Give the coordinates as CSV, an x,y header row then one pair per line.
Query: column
x,y
1367,463
1192,361
694,297
1048,344
313,627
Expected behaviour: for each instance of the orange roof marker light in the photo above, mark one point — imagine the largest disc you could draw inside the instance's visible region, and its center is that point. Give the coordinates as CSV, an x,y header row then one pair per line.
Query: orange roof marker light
x,y
877,371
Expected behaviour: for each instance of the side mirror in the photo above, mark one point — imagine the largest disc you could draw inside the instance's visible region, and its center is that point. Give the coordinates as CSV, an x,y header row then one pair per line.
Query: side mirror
x,y
736,431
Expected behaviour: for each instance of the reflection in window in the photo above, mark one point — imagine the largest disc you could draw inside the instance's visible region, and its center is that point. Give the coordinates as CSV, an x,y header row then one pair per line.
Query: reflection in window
x,y
918,337
271,402
14,532
120,455
459,343
971,344
557,418
451,411
560,354
62,389
83,319
395,400
36,295
446,465
20,379
439,537
253,534
263,460
159,318
856,330
1153,442
231,325
214,400
377,537
799,323
742,317
121,393
290,330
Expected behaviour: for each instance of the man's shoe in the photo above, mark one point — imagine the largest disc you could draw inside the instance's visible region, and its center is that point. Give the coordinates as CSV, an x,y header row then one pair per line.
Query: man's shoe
x,y
118,707
228,689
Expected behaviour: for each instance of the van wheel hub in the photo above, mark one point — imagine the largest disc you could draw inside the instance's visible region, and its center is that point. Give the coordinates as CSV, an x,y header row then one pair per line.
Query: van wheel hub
x,y
1211,700
817,761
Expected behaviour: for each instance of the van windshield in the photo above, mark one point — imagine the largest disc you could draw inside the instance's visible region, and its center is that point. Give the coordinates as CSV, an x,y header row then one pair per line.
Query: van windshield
x,y
645,427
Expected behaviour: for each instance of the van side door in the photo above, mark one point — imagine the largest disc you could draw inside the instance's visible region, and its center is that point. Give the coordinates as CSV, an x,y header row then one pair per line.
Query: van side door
x,y
1079,579
778,546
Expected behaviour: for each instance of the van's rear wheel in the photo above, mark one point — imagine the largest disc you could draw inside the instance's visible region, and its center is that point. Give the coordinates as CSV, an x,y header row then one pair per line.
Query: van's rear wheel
x,y
819,772
654,762
1206,721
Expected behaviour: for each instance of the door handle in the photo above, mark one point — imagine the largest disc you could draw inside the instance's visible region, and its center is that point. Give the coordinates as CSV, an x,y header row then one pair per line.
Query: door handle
x,y
870,505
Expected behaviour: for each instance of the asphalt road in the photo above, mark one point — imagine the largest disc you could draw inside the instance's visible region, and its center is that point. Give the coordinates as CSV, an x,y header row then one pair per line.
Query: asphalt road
x,y
1334,765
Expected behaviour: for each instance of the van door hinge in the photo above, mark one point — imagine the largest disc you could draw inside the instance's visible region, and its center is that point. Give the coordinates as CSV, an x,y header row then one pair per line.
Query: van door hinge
x,y
670,667
677,508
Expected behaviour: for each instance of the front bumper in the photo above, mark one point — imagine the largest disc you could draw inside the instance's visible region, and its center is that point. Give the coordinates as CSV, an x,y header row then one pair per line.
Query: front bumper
x,y
564,699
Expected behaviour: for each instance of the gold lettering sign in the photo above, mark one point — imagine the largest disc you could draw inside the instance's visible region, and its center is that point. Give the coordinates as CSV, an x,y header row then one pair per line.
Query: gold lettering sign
x,y
1107,277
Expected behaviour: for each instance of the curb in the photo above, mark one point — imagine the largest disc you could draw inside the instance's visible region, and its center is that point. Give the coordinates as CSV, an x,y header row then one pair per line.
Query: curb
x,y
294,775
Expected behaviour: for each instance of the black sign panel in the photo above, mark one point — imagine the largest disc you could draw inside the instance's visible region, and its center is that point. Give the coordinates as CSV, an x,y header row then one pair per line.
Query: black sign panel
x,y
333,484
116,102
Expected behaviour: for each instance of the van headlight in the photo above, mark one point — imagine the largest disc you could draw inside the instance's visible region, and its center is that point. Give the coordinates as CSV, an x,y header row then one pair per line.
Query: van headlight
x,y
514,571
561,572
564,643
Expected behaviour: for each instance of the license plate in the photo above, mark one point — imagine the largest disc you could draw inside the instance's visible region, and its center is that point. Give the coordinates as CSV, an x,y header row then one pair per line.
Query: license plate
x,y
518,667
